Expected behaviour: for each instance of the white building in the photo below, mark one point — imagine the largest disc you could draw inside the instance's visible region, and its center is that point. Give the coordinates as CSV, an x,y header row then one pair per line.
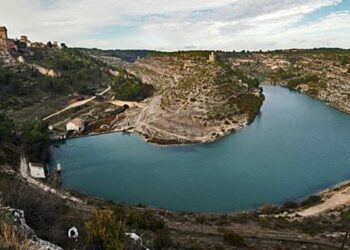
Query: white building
x,y
76,124
37,170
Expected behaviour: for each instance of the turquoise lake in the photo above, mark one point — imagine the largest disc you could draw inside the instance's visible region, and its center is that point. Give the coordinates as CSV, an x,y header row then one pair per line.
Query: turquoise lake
x,y
296,146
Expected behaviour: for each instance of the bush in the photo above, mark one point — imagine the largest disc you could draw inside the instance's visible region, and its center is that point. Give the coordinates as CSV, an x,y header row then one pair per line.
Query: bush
x,y
269,209
145,220
104,230
311,201
290,205
233,239
36,140
6,127
126,87
162,239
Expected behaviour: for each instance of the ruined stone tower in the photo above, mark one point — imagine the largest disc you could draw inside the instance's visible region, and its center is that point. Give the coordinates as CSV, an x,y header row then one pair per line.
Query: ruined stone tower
x,y
211,57
3,37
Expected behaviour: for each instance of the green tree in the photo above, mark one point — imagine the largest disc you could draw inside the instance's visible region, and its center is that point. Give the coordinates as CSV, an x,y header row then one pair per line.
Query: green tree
x,y
49,44
6,126
20,44
105,230
63,46
126,87
36,140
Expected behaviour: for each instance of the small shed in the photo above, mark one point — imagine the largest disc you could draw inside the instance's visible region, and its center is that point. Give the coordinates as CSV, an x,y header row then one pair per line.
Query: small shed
x,y
76,124
37,170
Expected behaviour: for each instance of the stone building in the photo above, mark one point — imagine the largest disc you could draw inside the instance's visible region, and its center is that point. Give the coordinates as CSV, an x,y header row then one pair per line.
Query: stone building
x,y
3,37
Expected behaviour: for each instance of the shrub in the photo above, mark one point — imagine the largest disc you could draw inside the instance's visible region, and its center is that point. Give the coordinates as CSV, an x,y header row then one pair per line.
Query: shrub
x,y
233,239
290,205
311,201
162,239
103,230
36,140
201,219
6,126
126,87
145,220
269,209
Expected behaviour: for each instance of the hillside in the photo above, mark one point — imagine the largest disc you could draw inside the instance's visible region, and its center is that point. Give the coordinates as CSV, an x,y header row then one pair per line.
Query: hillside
x,y
194,100
39,81
323,74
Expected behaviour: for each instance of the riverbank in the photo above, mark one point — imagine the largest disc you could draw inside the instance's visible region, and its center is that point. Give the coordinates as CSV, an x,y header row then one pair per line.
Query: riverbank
x,y
291,164
205,230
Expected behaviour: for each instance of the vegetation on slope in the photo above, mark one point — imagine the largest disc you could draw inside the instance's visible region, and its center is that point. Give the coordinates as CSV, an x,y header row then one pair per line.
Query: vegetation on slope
x,y
36,140
127,87
8,141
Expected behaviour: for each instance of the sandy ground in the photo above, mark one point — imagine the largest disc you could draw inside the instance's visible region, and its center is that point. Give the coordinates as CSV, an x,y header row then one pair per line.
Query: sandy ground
x,y
77,104
335,199
130,104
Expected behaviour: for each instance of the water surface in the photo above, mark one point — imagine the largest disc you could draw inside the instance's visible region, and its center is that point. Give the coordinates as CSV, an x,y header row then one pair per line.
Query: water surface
x,y
295,146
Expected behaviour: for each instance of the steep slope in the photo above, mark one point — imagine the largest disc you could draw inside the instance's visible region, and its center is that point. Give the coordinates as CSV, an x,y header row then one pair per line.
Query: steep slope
x,y
321,73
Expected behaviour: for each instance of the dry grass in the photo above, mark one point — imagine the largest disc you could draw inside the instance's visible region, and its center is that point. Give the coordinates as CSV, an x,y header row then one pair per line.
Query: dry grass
x,y
9,239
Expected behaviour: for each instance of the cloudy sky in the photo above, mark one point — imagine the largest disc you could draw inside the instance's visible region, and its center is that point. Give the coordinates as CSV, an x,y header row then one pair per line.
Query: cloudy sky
x,y
181,24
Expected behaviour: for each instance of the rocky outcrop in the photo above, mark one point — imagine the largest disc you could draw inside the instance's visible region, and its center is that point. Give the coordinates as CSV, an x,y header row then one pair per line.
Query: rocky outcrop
x,y
6,58
46,72
26,235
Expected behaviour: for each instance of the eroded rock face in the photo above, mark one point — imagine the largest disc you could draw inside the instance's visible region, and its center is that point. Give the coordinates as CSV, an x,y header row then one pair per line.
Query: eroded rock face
x,y
15,218
195,102
46,72
322,74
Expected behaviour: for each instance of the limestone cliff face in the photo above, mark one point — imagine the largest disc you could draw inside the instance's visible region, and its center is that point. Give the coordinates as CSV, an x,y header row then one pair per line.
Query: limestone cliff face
x,y
27,237
195,100
321,73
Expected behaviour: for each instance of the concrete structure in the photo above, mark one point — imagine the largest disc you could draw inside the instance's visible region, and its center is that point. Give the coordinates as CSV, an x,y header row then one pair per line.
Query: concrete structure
x,y
211,57
37,170
3,37
76,124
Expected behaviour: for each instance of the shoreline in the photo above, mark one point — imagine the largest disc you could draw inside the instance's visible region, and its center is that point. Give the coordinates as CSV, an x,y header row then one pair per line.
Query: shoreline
x,y
322,192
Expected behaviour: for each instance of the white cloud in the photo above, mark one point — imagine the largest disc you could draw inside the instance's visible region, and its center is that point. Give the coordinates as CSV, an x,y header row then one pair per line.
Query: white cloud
x,y
169,24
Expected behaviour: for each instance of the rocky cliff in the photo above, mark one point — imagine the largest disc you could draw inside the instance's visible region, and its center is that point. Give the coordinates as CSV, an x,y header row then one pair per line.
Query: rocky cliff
x,y
320,73
16,234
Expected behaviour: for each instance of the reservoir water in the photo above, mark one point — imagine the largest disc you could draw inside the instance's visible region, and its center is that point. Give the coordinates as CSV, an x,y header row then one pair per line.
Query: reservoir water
x,y
296,146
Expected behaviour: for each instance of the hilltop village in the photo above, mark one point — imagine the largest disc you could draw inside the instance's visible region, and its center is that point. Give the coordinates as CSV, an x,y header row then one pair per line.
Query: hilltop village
x,y
50,92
